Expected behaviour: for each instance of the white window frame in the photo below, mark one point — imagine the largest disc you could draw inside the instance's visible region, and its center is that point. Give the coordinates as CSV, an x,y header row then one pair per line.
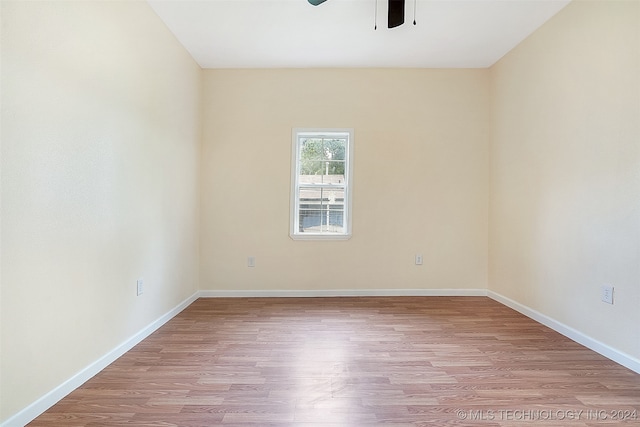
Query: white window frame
x,y
294,221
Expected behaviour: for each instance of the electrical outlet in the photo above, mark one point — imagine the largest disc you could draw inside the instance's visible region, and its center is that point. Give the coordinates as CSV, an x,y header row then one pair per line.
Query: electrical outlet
x,y
606,294
251,261
418,259
139,287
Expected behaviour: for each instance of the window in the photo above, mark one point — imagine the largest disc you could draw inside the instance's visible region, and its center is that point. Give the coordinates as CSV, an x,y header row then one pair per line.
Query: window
x,y
321,184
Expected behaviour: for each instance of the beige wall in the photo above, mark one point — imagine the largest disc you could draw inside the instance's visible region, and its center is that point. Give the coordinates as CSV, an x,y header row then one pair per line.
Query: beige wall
x,y
565,171
100,149
420,178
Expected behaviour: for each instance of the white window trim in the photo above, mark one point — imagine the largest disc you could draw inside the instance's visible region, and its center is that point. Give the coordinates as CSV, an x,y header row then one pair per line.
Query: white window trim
x,y
348,188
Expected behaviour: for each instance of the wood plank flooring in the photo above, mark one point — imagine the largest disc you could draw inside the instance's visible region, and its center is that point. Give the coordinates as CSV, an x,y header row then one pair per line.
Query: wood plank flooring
x,y
392,361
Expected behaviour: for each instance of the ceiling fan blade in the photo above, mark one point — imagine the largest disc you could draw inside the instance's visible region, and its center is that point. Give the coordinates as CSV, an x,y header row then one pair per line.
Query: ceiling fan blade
x,y
316,2
396,13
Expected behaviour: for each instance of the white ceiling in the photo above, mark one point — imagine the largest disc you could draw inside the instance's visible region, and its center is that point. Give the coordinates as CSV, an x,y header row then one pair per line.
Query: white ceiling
x,y
340,33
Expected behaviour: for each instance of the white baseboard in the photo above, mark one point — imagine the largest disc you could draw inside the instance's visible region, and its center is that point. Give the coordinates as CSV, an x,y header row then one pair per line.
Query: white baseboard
x,y
341,293
609,352
32,411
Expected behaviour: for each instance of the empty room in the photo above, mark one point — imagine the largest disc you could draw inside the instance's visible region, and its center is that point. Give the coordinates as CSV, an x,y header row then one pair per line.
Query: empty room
x,y
320,213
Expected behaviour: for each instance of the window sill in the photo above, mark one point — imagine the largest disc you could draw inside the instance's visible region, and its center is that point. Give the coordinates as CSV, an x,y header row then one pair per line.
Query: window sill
x,y
311,236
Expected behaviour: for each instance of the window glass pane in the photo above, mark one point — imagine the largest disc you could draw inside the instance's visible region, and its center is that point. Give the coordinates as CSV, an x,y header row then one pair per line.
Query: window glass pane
x,y
312,167
335,167
334,149
322,161
315,150
321,172
321,210
311,149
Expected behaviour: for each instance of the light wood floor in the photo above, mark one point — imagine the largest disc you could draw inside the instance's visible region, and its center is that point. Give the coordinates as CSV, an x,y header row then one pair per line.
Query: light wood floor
x,y
430,361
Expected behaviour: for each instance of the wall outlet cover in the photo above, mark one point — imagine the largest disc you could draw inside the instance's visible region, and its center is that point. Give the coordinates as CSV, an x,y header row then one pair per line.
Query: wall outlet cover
x,y
606,294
